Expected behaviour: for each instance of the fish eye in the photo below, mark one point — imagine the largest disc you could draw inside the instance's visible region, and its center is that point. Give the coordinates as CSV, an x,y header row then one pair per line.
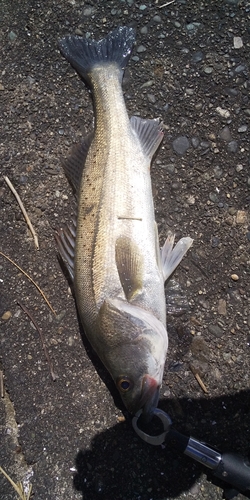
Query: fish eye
x,y
124,384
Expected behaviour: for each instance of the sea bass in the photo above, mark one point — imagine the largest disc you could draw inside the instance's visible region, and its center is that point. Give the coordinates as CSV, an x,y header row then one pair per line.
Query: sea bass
x,y
113,254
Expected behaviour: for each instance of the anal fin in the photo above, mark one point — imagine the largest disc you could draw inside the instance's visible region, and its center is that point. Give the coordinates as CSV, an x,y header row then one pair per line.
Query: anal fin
x,y
171,257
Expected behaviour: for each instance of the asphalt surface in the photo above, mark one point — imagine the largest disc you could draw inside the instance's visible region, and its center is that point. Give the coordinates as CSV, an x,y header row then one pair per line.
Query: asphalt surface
x,y
71,437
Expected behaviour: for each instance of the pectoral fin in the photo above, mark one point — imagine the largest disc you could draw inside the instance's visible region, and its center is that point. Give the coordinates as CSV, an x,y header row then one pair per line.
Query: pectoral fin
x,y
171,257
157,248
129,262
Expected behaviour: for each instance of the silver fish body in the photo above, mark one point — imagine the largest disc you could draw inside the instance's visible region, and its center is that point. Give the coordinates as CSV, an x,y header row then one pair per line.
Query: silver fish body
x,y
119,269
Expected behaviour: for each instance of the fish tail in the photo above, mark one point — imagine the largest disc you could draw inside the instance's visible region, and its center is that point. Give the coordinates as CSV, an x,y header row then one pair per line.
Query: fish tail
x,y
84,54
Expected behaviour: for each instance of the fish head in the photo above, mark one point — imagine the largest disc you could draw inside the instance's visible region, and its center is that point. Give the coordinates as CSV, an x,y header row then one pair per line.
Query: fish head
x,y
133,346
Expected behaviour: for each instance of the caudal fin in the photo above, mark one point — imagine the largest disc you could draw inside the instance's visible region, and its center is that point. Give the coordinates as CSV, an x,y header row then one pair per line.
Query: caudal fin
x,y
84,54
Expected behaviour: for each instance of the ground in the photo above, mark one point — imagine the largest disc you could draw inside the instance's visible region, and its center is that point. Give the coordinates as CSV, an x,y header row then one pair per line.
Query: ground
x,y
190,67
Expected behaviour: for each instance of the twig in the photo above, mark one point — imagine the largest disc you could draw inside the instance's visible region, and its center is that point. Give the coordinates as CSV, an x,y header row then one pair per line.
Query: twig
x,y
32,281
18,487
24,308
1,385
166,4
20,203
197,376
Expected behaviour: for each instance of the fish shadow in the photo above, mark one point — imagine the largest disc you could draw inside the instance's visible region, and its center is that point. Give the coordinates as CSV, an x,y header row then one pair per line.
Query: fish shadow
x,y
121,466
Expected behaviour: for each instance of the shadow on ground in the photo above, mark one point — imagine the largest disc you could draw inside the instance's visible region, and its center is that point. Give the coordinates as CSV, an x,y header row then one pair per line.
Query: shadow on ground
x,y
101,471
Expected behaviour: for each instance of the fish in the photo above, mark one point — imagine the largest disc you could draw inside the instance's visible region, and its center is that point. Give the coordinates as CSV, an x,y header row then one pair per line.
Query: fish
x,y
112,250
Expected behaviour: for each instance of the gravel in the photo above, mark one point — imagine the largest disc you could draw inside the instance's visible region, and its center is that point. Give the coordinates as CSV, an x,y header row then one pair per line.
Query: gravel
x,y
72,438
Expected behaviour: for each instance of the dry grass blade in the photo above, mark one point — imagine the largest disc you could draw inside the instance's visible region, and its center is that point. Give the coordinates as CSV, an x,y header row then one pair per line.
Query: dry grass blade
x,y
20,203
201,383
166,4
32,281
198,378
1,385
18,487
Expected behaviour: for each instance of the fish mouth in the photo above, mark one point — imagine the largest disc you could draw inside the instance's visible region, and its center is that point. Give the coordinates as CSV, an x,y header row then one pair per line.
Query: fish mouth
x,y
149,398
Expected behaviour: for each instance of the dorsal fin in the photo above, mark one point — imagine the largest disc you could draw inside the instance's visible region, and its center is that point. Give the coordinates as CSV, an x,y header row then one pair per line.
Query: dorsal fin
x,y
129,262
74,164
149,132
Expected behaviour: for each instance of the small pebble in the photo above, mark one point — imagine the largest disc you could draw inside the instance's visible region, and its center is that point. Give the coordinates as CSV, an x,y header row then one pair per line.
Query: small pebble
x,y
157,19
141,49
181,145
61,315
151,98
79,32
204,144
242,129
241,217
208,70
213,197
12,36
88,11
239,168
240,68
232,147
218,172
226,356
223,112
195,142
234,277
121,418
192,27
222,307
195,489
170,168
191,199
225,134
215,330
149,83
197,57
7,315
238,43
